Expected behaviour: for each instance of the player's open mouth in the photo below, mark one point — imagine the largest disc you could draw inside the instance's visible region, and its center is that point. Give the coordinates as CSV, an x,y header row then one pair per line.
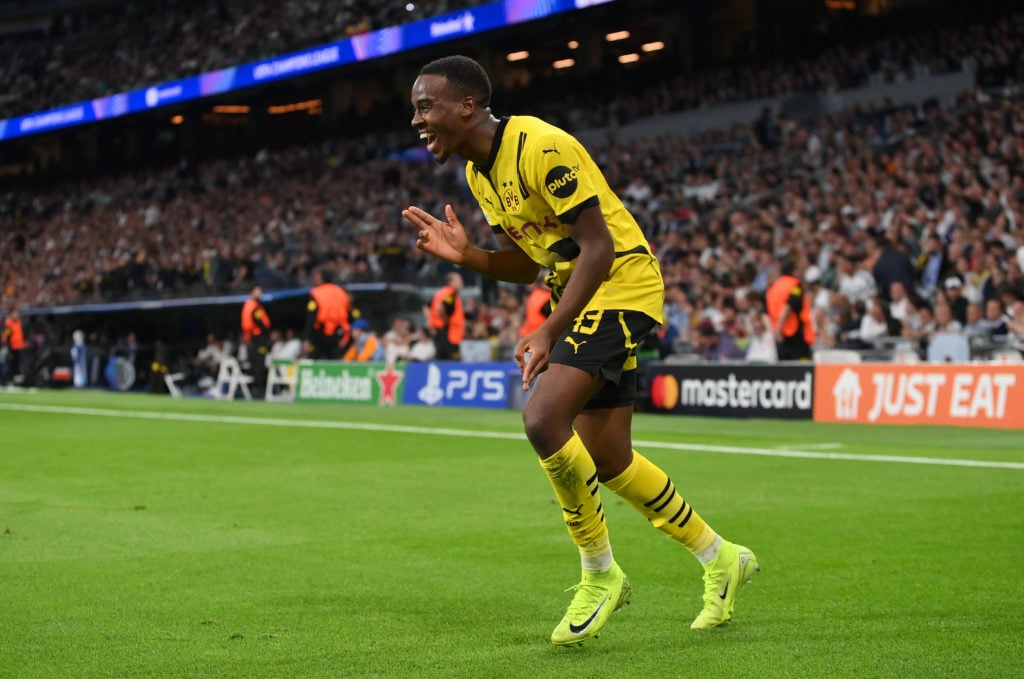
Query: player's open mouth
x,y
431,139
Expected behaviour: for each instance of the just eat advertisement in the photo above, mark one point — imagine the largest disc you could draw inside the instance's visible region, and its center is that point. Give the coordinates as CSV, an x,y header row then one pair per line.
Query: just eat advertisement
x,y
969,395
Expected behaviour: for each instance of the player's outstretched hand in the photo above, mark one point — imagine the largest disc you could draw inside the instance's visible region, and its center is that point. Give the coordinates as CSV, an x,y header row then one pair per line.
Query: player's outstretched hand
x,y
446,240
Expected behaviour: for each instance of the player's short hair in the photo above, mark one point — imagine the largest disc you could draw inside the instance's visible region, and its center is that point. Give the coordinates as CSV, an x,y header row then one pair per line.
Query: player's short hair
x,y
466,76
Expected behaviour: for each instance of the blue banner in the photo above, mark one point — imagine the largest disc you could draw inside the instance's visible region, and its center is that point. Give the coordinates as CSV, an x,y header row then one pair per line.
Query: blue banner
x,y
372,45
451,383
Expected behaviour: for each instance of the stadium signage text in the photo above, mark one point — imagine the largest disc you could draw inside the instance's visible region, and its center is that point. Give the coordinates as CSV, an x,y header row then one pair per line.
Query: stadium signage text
x,y
734,390
339,381
297,63
966,395
449,383
55,118
453,26
736,393
478,19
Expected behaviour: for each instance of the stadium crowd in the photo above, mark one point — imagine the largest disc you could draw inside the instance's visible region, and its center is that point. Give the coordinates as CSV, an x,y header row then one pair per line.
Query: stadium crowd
x,y
101,50
903,222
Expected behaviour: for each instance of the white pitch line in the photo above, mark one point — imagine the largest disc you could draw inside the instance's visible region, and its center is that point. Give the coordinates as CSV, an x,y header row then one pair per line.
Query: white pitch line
x,y
469,433
812,446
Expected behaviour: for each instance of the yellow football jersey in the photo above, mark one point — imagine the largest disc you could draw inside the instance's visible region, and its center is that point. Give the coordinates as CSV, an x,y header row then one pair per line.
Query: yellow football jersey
x,y
538,180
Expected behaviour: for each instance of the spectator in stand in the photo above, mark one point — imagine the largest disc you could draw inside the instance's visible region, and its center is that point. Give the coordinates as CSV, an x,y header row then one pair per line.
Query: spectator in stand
x,y
365,345
731,322
713,344
976,325
853,282
848,322
944,319
761,345
953,287
284,347
1015,312
422,347
818,295
995,318
676,329
877,323
206,363
931,264
919,323
899,301
398,340
891,266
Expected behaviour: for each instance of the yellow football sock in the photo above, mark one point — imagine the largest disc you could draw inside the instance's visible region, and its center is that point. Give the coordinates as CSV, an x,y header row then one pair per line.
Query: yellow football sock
x,y
651,492
574,478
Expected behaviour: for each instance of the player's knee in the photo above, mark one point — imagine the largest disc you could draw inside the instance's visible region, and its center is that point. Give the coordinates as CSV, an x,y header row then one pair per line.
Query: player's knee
x,y
544,429
539,426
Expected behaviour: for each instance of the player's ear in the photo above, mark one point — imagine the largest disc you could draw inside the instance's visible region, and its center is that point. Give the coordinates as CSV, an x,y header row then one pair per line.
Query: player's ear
x,y
469,105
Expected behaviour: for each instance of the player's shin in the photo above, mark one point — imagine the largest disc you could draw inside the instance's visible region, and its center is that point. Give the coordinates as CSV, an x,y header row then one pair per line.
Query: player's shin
x,y
651,492
573,477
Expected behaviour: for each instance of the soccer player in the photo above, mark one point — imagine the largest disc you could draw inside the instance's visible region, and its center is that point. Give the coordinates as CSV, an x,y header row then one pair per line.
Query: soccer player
x,y
550,206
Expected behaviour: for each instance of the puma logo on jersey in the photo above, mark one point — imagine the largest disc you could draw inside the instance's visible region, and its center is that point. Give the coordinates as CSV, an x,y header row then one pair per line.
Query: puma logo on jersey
x,y
550,150
575,345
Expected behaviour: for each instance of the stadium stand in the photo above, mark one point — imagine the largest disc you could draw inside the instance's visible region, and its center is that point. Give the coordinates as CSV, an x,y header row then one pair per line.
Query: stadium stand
x,y
939,185
59,53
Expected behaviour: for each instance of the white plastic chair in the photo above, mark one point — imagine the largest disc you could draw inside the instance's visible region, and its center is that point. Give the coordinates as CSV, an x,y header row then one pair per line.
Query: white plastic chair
x,y
171,380
231,379
836,356
949,347
281,379
1006,356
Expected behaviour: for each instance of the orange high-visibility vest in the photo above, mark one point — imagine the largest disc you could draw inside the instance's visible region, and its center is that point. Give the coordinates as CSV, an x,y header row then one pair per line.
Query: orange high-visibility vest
x,y
457,318
364,354
332,307
537,303
777,298
14,334
254,319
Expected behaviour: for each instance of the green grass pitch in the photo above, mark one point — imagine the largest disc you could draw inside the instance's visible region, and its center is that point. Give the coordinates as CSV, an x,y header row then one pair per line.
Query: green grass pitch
x,y
143,536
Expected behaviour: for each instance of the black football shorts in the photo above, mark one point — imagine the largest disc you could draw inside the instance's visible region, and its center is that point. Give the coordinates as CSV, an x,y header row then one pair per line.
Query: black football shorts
x,y
604,342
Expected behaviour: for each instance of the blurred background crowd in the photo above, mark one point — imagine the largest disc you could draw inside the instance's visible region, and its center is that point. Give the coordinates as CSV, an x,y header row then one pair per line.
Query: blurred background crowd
x,y
902,220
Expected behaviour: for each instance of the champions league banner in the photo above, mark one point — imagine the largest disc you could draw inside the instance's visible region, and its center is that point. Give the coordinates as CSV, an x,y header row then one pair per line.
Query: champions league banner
x,y
371,45
733,390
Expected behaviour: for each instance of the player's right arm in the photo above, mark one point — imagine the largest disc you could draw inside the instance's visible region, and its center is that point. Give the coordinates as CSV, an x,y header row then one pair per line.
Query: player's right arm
x,y
448,240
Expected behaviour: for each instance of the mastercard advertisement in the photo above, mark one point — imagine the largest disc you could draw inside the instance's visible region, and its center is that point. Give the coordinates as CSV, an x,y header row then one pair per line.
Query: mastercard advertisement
x,y
733,390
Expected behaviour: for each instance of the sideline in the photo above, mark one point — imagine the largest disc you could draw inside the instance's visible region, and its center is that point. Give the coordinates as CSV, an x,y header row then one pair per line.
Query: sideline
x,y
469,433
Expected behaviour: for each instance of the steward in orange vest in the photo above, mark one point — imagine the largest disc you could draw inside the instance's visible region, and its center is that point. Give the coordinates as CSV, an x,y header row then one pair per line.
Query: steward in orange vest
x,y
14,338
255,321
790,313
327,312
447,319
537,308
256,337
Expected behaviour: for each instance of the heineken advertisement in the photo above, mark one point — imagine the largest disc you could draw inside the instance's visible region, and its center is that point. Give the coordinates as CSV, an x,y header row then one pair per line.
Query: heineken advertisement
x,y
342,381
